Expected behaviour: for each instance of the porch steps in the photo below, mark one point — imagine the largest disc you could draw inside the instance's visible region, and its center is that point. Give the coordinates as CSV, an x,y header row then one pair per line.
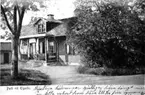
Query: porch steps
x,y
52,58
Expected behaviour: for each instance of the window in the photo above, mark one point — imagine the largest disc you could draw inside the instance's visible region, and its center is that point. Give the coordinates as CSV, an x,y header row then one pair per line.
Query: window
x,y
41,28
71,50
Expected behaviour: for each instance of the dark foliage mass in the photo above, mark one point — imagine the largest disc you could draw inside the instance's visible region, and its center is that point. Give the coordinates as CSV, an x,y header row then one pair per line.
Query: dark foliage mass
x,y
111,35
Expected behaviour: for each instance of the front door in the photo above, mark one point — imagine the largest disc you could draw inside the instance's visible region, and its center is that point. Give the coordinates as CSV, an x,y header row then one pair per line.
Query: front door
x,y
6,57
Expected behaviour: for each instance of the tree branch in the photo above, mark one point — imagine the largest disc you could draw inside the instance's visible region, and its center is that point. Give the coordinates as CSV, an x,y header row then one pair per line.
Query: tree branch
x,y
19,13
6,19
15,19
20,20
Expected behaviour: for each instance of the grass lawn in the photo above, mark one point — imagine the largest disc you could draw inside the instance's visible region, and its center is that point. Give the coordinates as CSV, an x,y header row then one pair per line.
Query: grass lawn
x,y
26,77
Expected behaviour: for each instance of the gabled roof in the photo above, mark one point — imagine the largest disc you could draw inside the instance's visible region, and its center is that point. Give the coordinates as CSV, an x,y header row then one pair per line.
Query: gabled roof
x,y
28,30
62,28
37,21
54,20
59,30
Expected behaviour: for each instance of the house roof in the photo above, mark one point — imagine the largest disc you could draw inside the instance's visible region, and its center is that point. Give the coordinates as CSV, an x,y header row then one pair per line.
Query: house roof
x,y
58,31
47,20
5,41
62,28
32,36
30,30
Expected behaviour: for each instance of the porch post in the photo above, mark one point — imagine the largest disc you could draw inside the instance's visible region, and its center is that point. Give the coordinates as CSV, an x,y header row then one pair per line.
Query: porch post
x,y
37,47
66,55
28,48
57,50
46,47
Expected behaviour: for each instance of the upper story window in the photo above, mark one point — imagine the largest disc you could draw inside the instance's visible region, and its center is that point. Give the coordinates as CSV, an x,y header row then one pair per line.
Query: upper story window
x,y
41,28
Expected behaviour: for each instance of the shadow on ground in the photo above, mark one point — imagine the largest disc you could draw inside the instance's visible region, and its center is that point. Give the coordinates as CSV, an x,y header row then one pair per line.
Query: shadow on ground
x,y
26,77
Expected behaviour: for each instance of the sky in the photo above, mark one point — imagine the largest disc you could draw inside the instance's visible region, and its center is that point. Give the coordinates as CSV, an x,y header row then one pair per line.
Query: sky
x,y
60,9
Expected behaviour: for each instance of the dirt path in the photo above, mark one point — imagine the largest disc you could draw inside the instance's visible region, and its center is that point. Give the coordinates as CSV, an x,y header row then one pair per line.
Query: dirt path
x,y
67,75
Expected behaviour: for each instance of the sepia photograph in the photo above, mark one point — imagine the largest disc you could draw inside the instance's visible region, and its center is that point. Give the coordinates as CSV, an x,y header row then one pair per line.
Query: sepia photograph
x,y
72,42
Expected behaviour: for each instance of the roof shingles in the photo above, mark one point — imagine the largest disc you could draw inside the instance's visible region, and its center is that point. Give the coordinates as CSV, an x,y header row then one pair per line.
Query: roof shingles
x,y
59,30
28,30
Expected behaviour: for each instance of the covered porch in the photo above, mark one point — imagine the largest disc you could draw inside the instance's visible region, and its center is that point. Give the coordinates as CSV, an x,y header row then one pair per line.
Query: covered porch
x,y
48,48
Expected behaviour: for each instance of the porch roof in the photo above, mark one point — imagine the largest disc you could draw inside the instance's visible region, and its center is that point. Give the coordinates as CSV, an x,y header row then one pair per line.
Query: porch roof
x,y
33,36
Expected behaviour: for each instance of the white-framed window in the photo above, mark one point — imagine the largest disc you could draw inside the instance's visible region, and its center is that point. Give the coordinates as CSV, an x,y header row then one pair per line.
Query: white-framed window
x,y
71,50
41,28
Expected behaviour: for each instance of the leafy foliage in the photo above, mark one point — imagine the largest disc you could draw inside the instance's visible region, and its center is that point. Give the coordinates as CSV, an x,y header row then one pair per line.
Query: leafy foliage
x,y
13,13
8,7
111,35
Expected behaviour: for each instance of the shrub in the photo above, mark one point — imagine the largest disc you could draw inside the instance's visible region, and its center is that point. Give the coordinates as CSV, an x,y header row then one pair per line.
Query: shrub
x,y
110,71
82,69
112,36
87,70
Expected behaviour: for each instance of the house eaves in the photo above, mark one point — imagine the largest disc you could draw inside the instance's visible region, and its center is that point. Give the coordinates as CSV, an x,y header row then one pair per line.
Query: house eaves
x,y
32,36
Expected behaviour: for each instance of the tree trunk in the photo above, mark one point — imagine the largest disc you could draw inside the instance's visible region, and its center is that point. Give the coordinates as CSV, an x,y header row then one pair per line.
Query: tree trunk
x,y
14,72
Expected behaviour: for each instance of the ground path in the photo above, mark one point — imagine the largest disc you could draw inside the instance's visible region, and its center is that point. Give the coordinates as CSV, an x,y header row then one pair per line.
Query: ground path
x,y
68,75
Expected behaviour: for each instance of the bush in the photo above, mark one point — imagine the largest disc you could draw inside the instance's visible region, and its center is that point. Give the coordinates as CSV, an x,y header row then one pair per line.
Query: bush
x,y
87,70
112,36
82,69
110,71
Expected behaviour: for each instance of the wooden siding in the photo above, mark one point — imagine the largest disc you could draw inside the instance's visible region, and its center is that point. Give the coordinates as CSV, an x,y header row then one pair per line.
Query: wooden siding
x,y
6,46
61,44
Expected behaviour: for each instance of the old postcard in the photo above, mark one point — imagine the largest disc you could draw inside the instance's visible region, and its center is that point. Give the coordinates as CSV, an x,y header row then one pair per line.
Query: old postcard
x,y
72,47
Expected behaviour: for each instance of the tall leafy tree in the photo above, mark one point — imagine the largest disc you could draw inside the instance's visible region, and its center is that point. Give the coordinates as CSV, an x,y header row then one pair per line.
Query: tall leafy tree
x,y
109,33
13,13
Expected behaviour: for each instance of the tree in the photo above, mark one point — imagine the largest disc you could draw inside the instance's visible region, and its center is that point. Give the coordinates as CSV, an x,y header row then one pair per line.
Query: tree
x,y
139,6
13,12
110,34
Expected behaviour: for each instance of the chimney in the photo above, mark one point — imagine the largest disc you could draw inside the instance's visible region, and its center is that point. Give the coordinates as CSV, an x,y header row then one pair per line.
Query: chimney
x,y
50,17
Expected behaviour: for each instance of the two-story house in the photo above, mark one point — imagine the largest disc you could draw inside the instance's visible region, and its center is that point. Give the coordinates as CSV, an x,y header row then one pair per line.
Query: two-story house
x,y
45,39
